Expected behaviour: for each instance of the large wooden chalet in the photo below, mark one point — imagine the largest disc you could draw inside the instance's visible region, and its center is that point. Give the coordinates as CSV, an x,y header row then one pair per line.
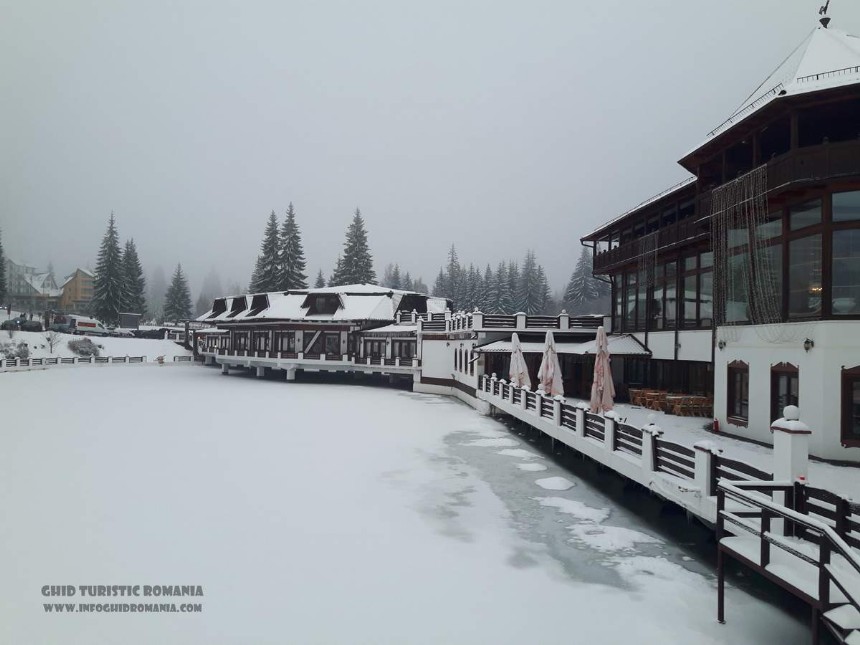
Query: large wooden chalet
x,y
744,280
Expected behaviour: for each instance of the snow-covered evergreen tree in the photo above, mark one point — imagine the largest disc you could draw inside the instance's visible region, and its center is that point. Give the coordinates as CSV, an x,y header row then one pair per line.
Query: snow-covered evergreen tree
x,y
134,284
356,264
396,283
582,288
292,255
157,290
177,301
489,296
407,282
108,292
267,272
337,277
528,293
505,303
3,288
320,281
544,296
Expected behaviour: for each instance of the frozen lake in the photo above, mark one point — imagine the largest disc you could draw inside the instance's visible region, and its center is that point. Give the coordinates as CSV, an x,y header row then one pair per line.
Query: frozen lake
x,y
314,513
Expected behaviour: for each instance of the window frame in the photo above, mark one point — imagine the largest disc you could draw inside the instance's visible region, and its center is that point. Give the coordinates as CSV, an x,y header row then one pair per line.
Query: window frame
x,y
734,370
777,373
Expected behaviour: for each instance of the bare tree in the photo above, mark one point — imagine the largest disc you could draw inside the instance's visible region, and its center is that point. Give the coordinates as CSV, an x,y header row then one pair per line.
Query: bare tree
x,y
53,338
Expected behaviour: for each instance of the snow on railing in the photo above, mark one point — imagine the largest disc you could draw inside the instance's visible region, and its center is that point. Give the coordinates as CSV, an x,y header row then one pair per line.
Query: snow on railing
x,y
23,364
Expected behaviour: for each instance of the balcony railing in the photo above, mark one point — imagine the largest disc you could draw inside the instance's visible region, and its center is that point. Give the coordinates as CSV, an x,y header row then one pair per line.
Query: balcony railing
x,y
477,321
814,163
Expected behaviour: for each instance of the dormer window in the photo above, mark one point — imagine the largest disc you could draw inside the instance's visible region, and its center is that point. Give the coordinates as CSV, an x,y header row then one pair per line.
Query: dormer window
x,y
322,303
219,307
239,305
259,303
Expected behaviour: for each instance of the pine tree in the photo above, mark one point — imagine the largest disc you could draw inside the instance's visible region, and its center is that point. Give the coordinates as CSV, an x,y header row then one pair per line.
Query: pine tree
x,y
490,293
292,255
256,285
440,289
581,289
320,282
505,303
357,261
268,269
134,284
337,278
2,272
419,287
108,280
395,277
529,295
407,283
177,302
514,287
544,297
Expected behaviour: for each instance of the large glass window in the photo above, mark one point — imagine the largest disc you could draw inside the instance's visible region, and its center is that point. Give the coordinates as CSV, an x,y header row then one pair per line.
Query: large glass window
x,y
641,301
846,272
846,206
738,392
706,298
784,388
630,307
804,277
656,321
803,215
737,288
690,299
671,294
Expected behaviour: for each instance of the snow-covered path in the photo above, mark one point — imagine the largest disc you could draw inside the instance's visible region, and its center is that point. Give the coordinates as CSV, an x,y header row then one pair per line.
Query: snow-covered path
x,y
314,513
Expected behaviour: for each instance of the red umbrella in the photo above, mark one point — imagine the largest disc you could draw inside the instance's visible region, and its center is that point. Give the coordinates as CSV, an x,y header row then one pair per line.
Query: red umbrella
x,y
602,390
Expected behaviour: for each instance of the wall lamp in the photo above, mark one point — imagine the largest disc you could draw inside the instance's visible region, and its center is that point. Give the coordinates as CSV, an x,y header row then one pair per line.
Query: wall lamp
x,y
721,344
808,344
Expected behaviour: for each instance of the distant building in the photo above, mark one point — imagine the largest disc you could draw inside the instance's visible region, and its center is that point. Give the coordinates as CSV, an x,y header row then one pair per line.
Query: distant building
x,y
29,289
77,292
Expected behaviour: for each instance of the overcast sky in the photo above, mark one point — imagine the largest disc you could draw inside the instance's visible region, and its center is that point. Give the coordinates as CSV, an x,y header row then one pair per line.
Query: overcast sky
x,y
496,125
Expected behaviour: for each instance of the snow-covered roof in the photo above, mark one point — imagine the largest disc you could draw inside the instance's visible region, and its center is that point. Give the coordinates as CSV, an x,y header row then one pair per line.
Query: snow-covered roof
x,y
355,303
826,59
43,284
620,345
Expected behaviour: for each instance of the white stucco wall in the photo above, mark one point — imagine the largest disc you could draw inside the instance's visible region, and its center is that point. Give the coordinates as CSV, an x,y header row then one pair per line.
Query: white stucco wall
x,y
837,345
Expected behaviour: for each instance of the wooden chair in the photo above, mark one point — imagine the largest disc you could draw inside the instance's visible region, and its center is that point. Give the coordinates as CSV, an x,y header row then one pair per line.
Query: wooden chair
x,y
682,406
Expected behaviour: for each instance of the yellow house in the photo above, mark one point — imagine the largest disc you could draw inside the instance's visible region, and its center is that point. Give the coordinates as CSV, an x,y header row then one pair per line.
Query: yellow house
x,y
77,292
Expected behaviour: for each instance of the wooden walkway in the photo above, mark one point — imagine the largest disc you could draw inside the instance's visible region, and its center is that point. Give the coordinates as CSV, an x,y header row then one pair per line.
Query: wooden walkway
x,y
803,539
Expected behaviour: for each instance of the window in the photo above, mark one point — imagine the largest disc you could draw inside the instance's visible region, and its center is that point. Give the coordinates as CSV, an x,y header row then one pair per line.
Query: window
x,y
784,388
804,215
846,271
804,277
332,344
738,393
846,206
737,288
851,406
671,306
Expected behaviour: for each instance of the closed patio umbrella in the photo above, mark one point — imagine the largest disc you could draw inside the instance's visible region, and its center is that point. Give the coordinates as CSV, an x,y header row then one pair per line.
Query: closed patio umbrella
x,y
519,371
549,374
602,390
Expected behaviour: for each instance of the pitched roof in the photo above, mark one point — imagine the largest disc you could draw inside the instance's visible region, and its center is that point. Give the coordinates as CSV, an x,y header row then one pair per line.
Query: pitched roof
x,y
826,59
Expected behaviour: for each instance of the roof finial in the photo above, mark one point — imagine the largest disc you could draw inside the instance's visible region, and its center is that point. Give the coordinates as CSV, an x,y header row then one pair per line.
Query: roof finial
x,y
825,19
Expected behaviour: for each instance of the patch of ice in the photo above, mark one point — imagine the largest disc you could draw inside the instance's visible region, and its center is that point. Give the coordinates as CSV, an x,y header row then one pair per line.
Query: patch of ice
x,y
579,510
499,442
609,539
519,453
531,467
555,483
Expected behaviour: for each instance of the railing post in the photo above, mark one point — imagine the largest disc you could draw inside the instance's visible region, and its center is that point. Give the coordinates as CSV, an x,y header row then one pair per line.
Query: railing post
x,y
477,320
493,380
650,432
790,446
563,320
524,398
764,545
557,400
609,419
704,466
539,402
580,422
520,320
721,576
511,394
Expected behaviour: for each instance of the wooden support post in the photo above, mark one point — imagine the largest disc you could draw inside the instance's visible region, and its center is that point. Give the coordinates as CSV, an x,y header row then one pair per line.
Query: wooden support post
x,y
721,574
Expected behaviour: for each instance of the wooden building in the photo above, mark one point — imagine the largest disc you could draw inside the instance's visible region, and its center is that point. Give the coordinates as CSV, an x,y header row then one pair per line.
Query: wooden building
x,y
744,279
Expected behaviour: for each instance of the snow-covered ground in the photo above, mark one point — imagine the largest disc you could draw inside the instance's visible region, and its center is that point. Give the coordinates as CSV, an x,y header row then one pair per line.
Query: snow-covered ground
x,y
318,513
844,480
37,343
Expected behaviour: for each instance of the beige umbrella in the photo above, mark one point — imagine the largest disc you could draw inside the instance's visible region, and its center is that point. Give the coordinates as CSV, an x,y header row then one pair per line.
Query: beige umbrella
x,y
602,390
549,374
519,371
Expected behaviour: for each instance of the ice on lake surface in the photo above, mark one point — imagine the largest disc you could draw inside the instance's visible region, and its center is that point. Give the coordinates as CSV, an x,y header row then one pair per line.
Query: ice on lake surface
x,y
322,513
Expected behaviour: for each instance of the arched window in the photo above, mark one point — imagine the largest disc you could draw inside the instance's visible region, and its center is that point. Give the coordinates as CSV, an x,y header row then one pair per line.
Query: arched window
x,y
851,406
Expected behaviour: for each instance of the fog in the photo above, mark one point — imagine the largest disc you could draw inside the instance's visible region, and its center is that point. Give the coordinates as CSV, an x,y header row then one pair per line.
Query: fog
x,y
498,126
